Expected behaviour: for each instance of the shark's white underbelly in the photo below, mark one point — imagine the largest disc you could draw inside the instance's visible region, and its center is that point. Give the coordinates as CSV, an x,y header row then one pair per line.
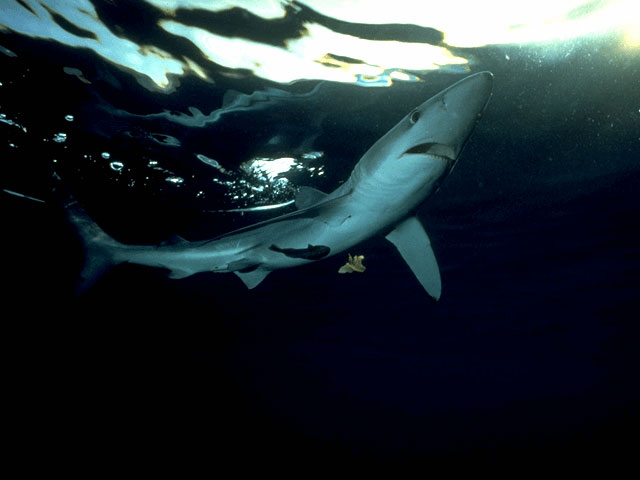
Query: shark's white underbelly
x,y
309,240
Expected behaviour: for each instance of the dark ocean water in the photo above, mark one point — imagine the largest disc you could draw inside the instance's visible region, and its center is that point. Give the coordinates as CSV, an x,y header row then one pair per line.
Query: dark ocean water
x,y
531,351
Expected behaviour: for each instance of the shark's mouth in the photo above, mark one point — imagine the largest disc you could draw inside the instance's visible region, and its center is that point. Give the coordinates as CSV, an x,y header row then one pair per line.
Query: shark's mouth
x,y
433,149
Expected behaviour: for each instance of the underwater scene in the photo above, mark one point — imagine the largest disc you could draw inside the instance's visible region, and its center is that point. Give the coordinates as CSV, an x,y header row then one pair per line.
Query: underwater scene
x,y
235,227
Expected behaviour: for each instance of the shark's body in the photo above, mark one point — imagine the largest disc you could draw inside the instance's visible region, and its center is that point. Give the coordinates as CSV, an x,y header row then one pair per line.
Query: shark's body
x,y
386,186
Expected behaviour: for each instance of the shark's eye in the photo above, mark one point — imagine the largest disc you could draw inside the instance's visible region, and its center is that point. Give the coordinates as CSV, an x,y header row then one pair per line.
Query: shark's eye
x,y
415,116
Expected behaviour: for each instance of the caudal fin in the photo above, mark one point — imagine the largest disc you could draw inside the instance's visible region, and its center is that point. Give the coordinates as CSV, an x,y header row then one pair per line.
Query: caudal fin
x,y
99,247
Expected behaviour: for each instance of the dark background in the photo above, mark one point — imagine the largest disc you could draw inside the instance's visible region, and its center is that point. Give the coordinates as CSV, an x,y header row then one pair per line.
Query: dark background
x,y
531,351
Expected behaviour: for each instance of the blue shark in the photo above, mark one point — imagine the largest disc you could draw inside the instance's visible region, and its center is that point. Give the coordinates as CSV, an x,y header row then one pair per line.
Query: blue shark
x,y
381,196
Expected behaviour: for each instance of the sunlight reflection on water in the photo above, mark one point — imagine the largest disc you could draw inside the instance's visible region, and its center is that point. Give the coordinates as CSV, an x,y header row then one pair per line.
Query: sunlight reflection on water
x,y
317,51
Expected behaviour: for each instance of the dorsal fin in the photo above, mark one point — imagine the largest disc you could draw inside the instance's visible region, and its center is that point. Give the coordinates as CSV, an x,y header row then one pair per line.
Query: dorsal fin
x,y
309,196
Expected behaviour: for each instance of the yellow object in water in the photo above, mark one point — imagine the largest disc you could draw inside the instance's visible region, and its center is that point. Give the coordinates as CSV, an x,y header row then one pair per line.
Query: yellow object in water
x,y
354,264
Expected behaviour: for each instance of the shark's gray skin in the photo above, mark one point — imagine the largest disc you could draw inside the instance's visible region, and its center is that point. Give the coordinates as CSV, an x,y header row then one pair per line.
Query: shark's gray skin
x,y
380,197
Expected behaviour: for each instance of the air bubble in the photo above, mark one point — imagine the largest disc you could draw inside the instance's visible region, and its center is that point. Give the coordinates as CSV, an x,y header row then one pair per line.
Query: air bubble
x,y
312,155
207,160
69,118
60,137
175,180
105,155
116,166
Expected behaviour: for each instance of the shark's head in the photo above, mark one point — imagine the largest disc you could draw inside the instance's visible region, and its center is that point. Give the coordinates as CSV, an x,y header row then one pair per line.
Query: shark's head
x,y
425,144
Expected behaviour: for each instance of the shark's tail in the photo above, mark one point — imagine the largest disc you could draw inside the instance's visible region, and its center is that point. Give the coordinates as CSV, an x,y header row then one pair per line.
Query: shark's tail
x,y
99,247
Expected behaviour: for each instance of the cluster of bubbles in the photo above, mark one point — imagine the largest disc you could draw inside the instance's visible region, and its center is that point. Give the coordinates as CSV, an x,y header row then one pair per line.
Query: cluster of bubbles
x,y
13,123
264,182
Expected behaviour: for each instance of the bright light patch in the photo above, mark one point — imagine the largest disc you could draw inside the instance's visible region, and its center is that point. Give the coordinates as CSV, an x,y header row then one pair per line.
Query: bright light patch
x,y
375,56
490,22
632,37
151,62
271,168
317,54
631,26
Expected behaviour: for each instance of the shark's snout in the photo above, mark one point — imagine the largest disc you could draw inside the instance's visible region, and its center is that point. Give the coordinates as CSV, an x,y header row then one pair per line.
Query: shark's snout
x,y
474,91
468,98
444,122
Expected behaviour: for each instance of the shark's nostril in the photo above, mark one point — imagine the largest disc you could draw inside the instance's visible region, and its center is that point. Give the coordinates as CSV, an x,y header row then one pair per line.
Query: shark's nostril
x,y
415,116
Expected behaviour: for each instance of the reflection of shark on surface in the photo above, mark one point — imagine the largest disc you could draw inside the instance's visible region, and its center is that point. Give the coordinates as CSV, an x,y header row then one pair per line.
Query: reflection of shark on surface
x,y
386,186
278,134
232,102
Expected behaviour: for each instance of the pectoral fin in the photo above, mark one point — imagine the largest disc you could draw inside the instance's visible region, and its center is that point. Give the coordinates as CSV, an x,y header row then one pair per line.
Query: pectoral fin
x,y
177,273
415,247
